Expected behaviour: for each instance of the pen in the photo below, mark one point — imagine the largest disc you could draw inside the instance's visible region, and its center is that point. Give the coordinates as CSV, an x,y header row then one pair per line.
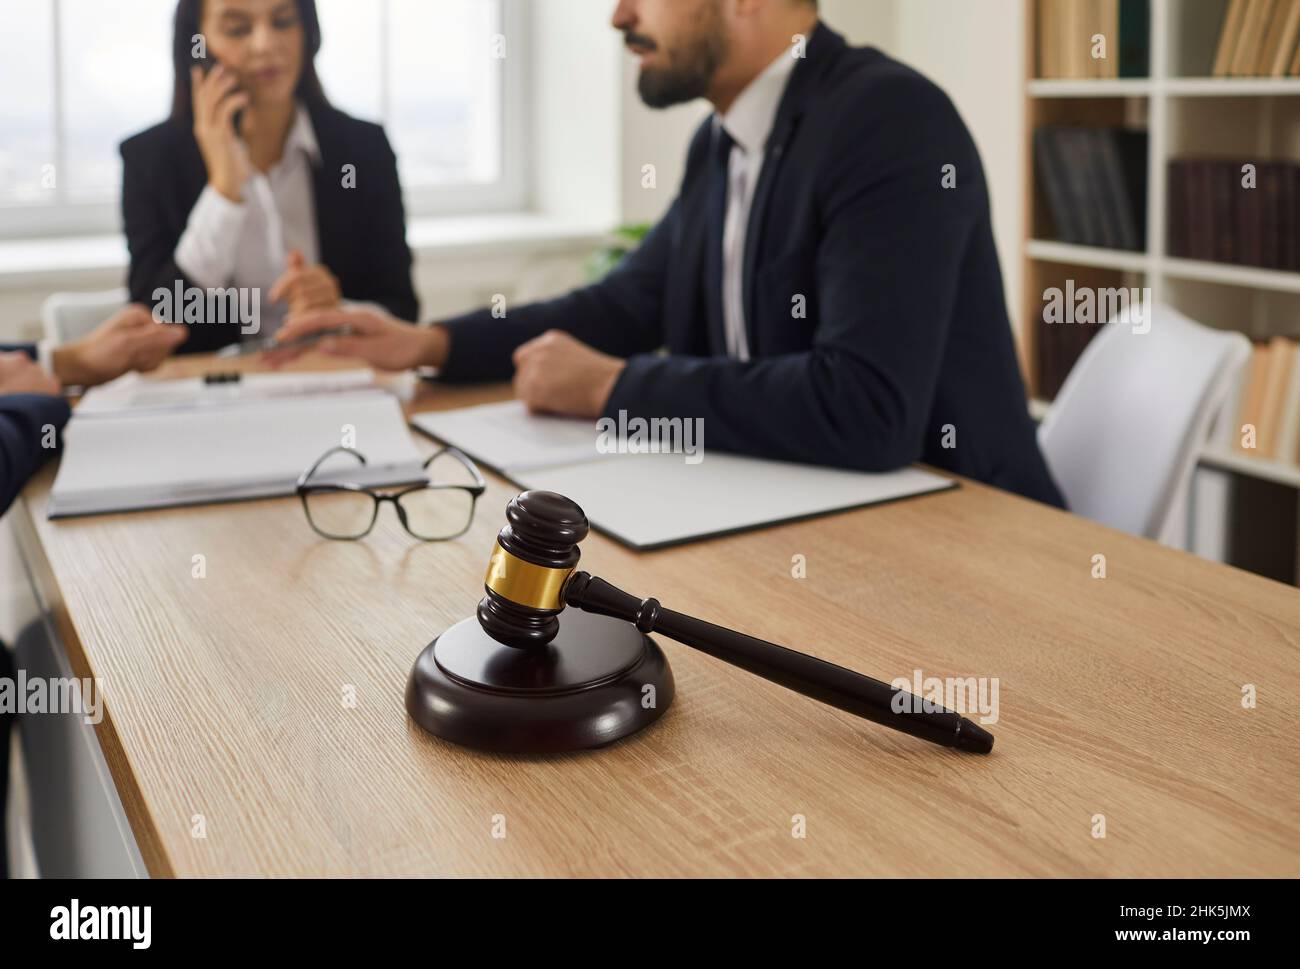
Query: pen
x,y
271,343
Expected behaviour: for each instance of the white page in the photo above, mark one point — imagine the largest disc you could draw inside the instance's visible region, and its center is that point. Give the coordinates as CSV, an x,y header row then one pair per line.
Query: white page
x,y
132,393
507,438
651,500
155,459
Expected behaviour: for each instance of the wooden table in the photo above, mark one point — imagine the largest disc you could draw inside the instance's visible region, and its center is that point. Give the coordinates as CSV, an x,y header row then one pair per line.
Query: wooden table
x,y
1119,697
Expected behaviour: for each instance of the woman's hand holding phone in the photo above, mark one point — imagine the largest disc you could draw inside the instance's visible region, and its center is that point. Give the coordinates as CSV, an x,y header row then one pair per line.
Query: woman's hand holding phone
x,y
216,99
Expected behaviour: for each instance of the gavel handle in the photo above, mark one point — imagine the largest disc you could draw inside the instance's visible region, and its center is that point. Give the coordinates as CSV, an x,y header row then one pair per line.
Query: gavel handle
x,y
849,691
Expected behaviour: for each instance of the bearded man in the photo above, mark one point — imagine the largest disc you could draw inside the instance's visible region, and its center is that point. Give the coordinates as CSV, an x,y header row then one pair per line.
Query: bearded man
x,y
825,288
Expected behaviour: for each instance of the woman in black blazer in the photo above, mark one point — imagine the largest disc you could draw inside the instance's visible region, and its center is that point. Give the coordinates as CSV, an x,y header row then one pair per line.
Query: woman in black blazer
x,y
257,185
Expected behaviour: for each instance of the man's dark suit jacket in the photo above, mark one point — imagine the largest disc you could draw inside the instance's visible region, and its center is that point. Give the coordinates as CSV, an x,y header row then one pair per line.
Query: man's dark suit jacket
x,y
906,345
361,230
23,418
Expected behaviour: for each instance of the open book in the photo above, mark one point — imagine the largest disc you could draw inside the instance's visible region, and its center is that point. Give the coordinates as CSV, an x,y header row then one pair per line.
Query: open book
x,y
653,500
151,456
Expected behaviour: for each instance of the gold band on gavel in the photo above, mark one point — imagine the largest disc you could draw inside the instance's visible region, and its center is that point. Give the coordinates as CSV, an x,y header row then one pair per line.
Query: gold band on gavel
x,y
524,583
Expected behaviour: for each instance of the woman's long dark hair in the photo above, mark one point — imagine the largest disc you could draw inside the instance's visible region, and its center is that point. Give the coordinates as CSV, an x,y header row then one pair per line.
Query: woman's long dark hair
x,y
188,15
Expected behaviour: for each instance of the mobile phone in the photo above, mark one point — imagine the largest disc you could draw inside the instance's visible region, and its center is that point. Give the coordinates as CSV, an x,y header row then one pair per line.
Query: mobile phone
x,y
207,63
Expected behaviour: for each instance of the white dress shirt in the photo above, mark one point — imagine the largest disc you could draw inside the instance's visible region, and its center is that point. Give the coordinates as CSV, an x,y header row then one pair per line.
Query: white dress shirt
x,y
749,122
246,244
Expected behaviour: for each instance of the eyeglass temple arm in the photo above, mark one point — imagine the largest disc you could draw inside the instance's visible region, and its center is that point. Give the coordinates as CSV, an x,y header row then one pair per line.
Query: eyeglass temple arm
x,y
480,483
306,475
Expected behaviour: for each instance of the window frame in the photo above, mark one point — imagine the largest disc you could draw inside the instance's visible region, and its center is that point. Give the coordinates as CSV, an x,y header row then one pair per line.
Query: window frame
x,y
511,192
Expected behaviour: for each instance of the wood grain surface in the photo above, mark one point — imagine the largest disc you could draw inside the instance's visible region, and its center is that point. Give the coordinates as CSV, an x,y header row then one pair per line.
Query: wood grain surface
x,y
1119,697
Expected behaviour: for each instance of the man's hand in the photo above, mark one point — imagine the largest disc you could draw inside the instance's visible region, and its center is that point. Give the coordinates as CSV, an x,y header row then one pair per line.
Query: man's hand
x,y
306,287
556,374
378,339
130,340
20,374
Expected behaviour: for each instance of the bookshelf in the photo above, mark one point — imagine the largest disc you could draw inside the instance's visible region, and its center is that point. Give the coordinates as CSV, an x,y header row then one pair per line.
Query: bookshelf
x,y
1186,111
1199,87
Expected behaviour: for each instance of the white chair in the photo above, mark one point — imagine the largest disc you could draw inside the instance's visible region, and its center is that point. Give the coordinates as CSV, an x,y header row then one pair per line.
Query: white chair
x,y
70,316
1124,433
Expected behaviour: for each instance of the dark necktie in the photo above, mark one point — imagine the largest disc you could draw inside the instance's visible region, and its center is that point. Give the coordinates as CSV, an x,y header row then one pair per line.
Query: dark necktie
x,y
717,217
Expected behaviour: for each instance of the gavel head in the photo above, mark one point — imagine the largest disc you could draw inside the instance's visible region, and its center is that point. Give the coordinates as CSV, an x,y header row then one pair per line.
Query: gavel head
x,y
534,556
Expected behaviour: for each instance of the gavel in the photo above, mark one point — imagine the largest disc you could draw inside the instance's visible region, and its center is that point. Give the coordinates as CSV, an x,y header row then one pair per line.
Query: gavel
x,y
532,576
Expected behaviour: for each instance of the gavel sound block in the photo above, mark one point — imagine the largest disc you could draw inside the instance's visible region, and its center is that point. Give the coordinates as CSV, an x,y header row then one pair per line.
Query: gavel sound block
x,y
526,675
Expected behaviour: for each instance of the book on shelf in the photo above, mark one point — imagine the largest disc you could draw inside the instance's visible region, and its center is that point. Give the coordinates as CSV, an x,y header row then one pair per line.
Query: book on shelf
x,y
1059,347
1280,39
1259,38
1229,36
1134,38
1270,409
1246,57
1218,214
1094,181
1288,435
1268,399
1066,38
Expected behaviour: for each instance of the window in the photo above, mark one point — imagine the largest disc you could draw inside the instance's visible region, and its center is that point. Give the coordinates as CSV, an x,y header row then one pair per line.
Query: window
x,y
90,76
446,81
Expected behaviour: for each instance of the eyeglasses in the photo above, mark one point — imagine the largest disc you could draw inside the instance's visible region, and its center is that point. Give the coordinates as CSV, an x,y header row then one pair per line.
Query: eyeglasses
x,y
435,511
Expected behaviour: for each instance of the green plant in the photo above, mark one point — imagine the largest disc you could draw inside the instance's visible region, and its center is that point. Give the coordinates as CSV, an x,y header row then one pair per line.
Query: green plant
x,y
622,241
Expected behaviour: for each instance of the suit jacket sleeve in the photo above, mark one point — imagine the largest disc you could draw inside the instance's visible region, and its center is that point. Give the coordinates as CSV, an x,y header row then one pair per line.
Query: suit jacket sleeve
x,y
151,243
622,315
887,273
392,257
23,422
